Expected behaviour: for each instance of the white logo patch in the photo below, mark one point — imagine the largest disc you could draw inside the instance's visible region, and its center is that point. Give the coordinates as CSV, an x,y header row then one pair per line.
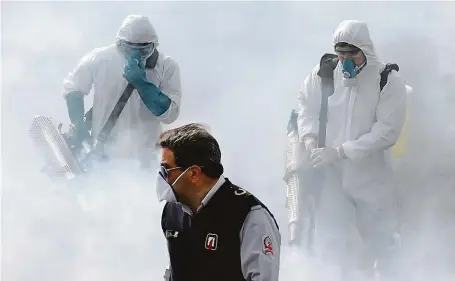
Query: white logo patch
x,y
211,242
172,233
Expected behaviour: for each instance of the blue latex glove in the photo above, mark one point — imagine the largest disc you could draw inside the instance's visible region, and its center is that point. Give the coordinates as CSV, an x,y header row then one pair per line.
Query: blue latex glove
x,y
75,105
134,72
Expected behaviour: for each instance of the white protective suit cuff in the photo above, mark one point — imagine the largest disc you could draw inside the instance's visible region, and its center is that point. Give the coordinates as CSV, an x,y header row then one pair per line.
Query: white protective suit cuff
x,y
341,154
167,117
310,143
349,150
305,136
67,92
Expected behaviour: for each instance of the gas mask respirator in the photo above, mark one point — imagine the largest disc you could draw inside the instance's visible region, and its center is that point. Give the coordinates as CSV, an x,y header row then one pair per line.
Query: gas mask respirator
x,y
350,71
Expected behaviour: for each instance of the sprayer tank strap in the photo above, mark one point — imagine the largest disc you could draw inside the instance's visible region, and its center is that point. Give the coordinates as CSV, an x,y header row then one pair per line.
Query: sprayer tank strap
x,y
327,64
118,108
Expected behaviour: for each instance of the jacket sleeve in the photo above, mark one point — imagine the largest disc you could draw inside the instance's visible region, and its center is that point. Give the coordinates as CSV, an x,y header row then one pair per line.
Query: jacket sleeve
x,y
167,274
260,246
171,87
81,78
309,105
390,115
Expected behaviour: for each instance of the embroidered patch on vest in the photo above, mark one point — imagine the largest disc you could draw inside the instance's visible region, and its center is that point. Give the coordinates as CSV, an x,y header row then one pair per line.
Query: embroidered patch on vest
x,y
211,242
171,233
267,245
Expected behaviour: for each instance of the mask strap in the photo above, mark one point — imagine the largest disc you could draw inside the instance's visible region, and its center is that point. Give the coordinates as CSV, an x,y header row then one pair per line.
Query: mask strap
x,y
360,67
172,185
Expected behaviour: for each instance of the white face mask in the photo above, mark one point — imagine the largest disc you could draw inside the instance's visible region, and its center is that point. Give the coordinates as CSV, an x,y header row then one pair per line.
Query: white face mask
x,y
164,190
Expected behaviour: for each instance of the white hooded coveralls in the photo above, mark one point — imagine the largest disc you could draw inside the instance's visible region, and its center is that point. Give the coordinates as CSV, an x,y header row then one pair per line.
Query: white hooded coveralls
x,y
136,129
367,124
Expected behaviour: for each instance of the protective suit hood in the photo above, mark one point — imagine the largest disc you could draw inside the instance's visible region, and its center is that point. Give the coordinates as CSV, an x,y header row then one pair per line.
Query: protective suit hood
x,y
137,29
356,33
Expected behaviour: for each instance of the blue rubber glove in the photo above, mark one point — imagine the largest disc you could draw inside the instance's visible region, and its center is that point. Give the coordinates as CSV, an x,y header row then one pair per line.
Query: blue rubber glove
x,y
134,72
75,105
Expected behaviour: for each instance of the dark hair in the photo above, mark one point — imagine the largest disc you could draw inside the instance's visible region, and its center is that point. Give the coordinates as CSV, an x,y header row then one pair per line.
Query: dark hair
x,y
193,145
347,45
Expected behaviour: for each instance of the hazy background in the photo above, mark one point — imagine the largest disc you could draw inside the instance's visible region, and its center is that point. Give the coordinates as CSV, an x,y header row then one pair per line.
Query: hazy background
x,y
241,64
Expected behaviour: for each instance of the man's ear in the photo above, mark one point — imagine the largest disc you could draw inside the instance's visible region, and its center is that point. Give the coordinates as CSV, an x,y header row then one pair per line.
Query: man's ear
x,y
196,173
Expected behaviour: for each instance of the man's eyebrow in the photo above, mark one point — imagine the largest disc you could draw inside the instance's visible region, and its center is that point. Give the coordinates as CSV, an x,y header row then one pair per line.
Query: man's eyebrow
x,y
165,165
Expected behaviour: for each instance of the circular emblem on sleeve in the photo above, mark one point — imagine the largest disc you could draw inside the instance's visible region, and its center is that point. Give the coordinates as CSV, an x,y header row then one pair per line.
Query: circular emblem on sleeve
x,y
267,246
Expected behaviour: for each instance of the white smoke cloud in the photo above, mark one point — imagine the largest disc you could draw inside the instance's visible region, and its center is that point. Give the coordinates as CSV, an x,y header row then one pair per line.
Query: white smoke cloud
x,y
242,65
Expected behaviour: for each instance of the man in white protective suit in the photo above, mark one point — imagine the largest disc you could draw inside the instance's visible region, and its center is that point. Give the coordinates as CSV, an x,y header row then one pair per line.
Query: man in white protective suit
x,y
363,123
133,59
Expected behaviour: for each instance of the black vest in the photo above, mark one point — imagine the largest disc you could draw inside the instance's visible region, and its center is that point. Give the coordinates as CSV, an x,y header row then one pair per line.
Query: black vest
x,y
206,246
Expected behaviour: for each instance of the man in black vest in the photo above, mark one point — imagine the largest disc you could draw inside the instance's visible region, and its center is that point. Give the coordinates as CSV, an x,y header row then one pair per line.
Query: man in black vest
x,y
215,230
